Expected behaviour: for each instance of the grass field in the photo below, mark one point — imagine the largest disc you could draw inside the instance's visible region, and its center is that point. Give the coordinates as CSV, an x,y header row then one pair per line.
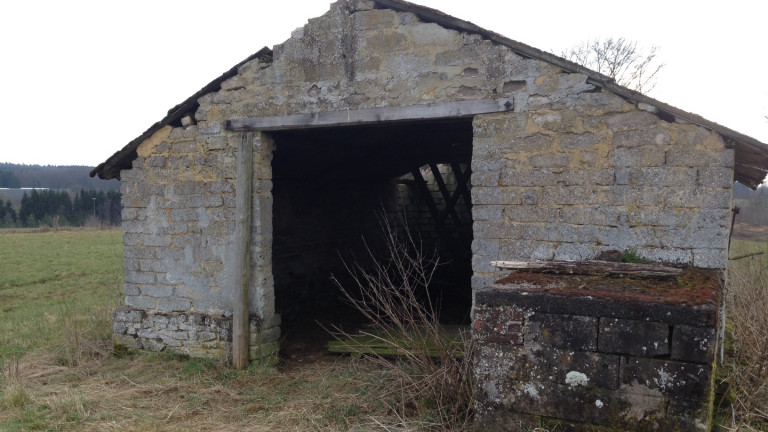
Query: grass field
x,y
59,373
57,292
52,283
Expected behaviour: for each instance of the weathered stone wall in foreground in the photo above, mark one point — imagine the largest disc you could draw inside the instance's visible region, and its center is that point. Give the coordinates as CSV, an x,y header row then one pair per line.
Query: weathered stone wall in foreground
x,y
591,363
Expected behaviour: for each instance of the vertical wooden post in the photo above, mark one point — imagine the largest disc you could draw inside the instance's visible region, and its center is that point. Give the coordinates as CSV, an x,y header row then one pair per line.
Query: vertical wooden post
x,y
242,264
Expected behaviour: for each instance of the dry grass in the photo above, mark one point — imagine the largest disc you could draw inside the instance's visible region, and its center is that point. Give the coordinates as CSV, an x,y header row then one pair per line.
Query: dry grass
x,y
58,371
429,377
158,392
745,404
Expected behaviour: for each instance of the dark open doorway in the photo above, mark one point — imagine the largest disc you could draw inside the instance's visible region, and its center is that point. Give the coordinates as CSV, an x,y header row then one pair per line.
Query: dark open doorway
x,y
330,188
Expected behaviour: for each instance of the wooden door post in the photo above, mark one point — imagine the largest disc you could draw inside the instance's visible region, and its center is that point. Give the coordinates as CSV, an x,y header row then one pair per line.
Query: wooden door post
x,y
242,259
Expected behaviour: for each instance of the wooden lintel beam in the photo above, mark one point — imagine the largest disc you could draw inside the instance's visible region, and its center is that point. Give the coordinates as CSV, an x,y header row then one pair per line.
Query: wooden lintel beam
x,y
373,115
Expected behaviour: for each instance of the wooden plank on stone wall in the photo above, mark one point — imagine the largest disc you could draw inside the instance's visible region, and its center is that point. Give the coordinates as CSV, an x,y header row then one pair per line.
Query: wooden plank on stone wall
x,y
594,268
242,262
373,115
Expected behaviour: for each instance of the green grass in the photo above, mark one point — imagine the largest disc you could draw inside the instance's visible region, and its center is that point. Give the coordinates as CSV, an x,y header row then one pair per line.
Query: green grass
x,y
54,282
58,289
58,371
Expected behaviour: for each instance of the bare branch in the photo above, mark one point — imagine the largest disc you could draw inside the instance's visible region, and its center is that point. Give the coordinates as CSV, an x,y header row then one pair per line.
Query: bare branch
x,y
620,59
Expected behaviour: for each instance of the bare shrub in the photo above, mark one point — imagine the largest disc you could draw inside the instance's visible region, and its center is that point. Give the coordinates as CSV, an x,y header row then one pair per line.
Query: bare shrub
x,y
620,59
429,370
746,368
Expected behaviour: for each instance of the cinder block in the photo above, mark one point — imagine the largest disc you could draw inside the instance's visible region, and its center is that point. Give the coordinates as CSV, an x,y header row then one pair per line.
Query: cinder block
x,y
637,157
710,258
140,302
561,331
640,338
693,344
715,177
576,252
138,277
173,304
526,213
574,195
549,160
553,365
700,158
518,178
669,177
631,120
578,141
587,177
156,290
498,325
672,378
699,198
653,136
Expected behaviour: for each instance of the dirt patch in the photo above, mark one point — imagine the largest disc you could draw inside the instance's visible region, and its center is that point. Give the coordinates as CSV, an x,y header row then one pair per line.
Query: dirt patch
x,y
693,287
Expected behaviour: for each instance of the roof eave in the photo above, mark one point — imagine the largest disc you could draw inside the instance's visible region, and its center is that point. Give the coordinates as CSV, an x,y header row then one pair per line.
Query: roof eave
x,y
751,155
123,158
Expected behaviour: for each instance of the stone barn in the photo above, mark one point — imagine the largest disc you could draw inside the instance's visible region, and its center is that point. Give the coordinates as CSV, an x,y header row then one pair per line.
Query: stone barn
x,y
240,204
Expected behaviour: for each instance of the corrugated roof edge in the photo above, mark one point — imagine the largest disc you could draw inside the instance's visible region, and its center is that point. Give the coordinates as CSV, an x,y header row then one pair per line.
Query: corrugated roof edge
x,y
123,158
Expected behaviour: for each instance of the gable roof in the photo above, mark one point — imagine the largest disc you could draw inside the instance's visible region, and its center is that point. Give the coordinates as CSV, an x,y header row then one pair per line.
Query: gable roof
x,y
751,155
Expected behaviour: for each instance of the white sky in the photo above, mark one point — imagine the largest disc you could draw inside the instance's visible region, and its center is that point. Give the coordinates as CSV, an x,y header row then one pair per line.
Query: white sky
x,y
82,78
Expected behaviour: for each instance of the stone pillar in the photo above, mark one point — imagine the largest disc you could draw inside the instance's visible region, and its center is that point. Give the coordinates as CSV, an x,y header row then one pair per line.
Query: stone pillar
x,y
265,323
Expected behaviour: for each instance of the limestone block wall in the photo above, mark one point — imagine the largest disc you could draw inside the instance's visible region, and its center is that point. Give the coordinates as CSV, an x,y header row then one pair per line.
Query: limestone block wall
x,y
178,210
570,172
591,363
191,333
572,175
178,223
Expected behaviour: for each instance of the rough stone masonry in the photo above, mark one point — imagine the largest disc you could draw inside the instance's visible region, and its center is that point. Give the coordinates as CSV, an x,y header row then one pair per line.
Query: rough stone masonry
x,y
572,170
596,354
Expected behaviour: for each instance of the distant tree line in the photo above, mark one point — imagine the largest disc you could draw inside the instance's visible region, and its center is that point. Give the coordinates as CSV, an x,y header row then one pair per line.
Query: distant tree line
x,y
53,177
49,207
753,205
9,180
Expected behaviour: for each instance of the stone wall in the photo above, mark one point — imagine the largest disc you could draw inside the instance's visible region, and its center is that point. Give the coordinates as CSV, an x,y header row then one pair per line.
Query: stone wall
x,y
178,223
577,173
192,334
572,171
592,363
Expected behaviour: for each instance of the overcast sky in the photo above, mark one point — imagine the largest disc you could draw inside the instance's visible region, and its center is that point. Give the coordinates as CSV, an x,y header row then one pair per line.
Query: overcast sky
x,y
83,78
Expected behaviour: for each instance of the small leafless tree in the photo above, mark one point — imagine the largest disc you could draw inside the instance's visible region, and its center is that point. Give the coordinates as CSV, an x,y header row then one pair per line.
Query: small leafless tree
x,y
620,59
430,377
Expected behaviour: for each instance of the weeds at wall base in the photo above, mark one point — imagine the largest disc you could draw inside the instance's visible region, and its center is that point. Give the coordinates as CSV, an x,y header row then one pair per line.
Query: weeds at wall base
x,y
429,382
742,388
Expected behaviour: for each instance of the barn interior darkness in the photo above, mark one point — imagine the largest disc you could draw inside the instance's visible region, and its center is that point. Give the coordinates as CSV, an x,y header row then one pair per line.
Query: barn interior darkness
x,y
332,187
